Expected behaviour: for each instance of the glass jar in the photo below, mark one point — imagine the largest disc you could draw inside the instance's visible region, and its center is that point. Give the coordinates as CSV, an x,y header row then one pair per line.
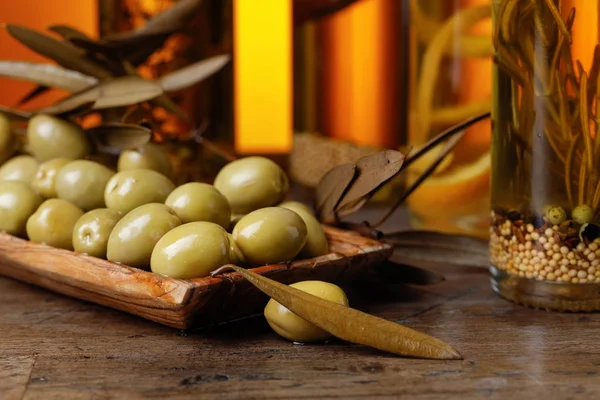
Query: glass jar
x,y
545,231
450,81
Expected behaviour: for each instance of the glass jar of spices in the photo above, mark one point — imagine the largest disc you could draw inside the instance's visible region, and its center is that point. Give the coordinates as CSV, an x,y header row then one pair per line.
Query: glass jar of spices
x,y
545,226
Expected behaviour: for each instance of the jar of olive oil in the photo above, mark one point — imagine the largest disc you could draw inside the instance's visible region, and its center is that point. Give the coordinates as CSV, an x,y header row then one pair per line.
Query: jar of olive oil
x,y
545,226
450,62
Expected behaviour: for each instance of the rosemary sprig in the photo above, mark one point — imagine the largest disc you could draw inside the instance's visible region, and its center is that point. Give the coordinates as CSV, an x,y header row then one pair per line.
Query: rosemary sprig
x,y
551,93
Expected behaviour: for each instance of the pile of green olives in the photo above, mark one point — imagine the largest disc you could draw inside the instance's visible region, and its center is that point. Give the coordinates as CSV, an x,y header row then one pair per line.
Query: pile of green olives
x,y
132,213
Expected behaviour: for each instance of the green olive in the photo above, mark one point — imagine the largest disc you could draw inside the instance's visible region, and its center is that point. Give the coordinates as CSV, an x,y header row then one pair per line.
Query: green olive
x,y
191,251
82,183
294,328
583,214
236,256
270,235
127,190
18,202
53,223
197,201
19,168
556,215
295,206
91,232
149,156
235,218
8,142
45,178
316,241
51,137
133,238
251,183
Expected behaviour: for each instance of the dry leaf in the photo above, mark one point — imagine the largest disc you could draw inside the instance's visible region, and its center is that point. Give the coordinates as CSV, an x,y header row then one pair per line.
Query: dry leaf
x,y
46,75
63,53
134,115
33,93
67,32
330,190
165,22
126,91
192,74
117,92
372,172
162,101
140,53
427,249
453,136
93,46
15,115
394,272
352,325
445,135
84,98
120,135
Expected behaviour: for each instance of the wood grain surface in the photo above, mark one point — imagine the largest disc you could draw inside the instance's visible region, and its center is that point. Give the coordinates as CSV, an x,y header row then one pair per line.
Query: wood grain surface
x,y
55,347
173,302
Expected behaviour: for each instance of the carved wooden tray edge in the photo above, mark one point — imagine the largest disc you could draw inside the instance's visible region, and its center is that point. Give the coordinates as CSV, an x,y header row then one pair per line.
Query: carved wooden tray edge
x,y
174,302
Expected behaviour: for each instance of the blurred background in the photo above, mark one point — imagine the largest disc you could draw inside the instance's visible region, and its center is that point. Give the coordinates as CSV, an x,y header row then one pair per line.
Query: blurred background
x,y
316,83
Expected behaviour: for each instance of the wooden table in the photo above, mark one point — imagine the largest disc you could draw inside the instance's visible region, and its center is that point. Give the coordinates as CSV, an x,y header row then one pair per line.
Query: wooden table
x,y
54,347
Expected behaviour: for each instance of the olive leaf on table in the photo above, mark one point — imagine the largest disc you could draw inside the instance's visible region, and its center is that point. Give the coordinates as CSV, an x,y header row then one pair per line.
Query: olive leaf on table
x,y
101,74
350,324
347,187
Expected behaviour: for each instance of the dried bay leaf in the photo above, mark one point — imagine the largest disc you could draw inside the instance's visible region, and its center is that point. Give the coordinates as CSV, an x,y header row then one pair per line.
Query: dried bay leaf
x,y
372,172
428,249
121,136
352,325
63,53
330,190
194,73
46,75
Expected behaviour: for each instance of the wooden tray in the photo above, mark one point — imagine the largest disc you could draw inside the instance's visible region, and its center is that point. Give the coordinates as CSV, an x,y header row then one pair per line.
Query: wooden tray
x,y
174,302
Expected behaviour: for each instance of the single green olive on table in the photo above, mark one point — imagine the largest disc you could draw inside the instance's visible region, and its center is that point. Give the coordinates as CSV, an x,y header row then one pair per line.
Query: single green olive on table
x,y
295,328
